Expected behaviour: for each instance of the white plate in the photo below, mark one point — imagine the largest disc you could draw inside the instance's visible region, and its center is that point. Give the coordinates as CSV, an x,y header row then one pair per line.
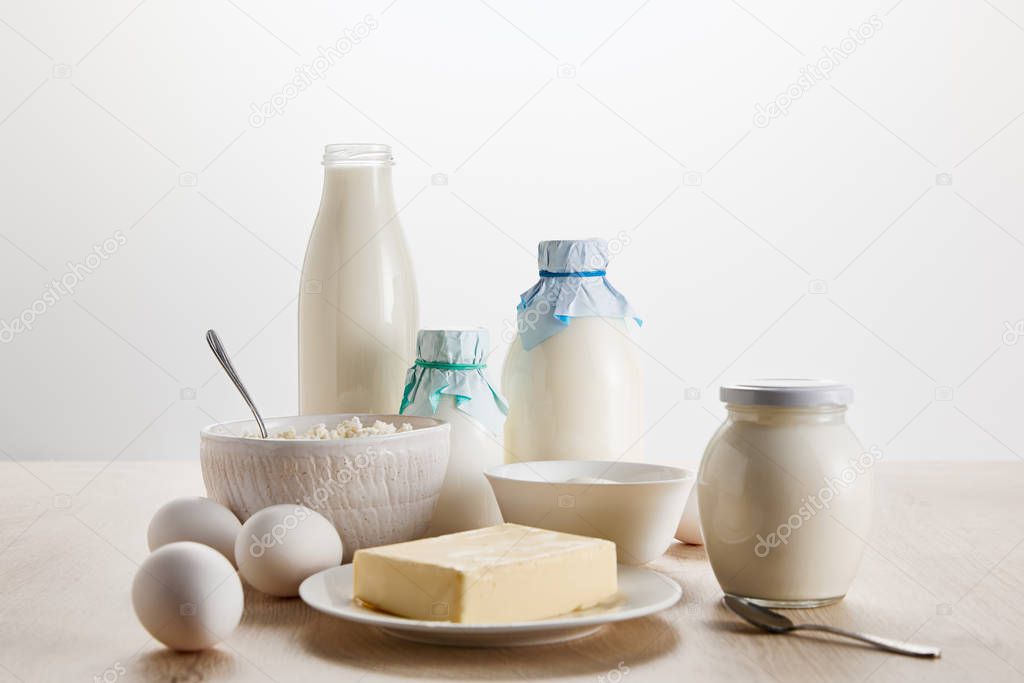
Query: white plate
x,y
641,592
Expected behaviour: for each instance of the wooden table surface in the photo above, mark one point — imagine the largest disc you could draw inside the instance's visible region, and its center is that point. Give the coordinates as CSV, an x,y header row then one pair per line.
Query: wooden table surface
x,y
945,567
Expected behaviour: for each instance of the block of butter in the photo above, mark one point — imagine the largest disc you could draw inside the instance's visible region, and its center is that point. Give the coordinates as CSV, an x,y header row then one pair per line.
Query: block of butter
x,y
497,574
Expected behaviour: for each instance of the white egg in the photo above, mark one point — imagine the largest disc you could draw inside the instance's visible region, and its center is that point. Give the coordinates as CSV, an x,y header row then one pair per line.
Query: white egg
x,y
188,596
195,519
282,545
689,524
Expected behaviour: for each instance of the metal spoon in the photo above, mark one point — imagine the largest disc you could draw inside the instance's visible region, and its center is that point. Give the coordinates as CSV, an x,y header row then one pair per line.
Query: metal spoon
x,y
225,362
774,622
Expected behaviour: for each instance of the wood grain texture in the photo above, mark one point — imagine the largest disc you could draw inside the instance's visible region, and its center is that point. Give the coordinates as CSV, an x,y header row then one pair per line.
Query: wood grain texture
x,y
945,566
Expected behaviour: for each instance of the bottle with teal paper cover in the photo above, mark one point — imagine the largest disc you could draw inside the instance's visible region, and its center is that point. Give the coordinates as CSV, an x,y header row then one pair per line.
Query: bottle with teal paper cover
x,y
448,381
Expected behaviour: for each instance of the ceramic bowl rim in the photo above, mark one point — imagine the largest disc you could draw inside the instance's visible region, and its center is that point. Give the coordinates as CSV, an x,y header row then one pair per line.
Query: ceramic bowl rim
x,y
682,474
207,433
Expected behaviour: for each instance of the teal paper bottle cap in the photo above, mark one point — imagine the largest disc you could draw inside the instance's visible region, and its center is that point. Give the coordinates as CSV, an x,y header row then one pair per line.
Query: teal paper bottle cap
x,y
451,363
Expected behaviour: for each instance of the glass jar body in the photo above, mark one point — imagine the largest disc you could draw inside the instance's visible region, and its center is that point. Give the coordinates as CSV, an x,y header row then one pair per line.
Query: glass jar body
x,y
785,498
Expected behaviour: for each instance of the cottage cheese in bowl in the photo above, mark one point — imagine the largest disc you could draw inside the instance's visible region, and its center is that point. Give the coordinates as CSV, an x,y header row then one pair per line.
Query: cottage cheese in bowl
x,y
375,490
352,428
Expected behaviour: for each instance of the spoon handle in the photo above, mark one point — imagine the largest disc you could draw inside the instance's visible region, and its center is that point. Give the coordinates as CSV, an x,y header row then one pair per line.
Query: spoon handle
x,y
879,642
225,362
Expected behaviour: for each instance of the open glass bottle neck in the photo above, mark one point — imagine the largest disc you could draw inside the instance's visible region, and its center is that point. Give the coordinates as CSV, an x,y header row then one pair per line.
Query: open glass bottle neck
x,y
357,155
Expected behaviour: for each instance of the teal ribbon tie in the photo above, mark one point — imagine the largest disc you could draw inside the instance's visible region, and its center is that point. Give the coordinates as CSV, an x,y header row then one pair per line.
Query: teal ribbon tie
x,y
450,366
451,363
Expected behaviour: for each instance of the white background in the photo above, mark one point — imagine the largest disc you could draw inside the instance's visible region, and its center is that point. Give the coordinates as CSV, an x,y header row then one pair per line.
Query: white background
x,y
823,244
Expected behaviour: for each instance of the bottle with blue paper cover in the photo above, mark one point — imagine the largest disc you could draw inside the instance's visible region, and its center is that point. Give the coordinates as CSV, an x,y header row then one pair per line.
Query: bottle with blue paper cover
x,y
448,381
572,377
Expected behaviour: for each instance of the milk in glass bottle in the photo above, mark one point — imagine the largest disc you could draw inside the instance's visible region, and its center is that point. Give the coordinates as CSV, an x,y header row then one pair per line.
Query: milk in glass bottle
x,y
572,376
358,308
448,382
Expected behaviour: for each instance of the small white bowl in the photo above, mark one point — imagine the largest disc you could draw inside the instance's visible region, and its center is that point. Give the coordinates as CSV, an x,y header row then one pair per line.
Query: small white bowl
x,y
638,506
376,490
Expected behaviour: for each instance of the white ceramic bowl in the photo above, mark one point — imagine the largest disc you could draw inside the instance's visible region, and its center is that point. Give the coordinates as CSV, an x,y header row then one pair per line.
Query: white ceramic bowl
x,y
375,490
638,508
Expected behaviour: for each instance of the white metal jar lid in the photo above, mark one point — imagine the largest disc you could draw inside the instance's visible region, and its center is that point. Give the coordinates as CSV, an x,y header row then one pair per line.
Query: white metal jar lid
x,y
787,393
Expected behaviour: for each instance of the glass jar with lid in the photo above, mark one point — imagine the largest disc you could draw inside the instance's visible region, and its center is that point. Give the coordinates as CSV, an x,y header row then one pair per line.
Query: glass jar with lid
x,y
785,493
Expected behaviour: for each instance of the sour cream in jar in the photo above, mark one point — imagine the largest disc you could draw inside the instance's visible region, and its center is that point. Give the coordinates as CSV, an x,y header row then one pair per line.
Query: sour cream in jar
x,y
785,492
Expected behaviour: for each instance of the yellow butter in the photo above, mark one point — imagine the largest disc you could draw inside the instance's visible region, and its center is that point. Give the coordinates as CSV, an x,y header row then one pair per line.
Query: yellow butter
x,y
497,574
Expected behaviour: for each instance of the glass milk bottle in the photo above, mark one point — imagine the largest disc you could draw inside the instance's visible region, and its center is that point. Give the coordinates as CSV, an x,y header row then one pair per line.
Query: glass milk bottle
x,y
448,382
358,309
572,376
